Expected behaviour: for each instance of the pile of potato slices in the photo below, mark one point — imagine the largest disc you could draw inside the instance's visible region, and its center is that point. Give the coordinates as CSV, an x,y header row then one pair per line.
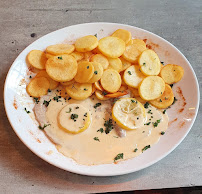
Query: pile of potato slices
x,y
107,67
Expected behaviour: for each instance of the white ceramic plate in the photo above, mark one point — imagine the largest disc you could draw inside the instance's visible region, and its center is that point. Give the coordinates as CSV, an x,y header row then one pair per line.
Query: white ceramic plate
x,y
26,127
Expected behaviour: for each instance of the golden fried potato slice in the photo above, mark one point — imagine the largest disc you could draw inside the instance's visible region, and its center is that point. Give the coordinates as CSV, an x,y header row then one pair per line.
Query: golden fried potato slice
x,y
86,43
60,49
100,96
125,64
98,86
53,84
115,64
134,91
116,94
93,89
112,47
85,72
37,59
96,51
79,91
77,55
165,100
139,42
133,51
38,87
133,76
172,73
67,83
88,55
98,71
151,87
149,62
61,68
49,55
111,80
99,58
125,35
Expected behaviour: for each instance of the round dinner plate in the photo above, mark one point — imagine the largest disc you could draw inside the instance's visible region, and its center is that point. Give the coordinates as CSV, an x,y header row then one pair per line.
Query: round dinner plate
x,y
181,115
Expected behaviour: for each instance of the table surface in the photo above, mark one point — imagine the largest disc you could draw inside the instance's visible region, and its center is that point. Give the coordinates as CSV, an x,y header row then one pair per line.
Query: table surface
x,y
177,21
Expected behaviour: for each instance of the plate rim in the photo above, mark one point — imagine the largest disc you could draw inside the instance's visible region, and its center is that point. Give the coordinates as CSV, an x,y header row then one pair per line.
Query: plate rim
x,y
109,174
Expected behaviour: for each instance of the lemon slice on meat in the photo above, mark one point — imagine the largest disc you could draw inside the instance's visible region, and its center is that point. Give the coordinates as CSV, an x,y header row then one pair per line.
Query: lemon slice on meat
x,y
74,118
129,113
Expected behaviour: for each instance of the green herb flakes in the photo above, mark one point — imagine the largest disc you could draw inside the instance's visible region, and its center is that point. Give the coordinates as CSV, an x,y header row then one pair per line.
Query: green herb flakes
x,y
108,125
146,105
27,111
145,148
74,117
129,72
147,123
96,139
60,58
46,103
162,132
155,124
36,100
97,105
118,157
70,110
95,72
44,126
101,130
135,150
164,111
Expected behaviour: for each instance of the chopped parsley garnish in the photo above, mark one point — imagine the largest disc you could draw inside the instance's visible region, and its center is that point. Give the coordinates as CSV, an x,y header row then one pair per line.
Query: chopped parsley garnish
x,y
77,107
155,124
129,72
104,93
147,123
69,98
101,130
49,90
60,58
160,100
74,117
70,110
36,100
56,98
162,62
95,72
115,99
95,35
96,139
85,115
134,101
162,132
46,103
149,111
85,89
164,111
146,105
44,126
118,157
171,85
144,64
27,111
87,67
97,105
145,148
166,98
108,125
175,99
30,76
135,150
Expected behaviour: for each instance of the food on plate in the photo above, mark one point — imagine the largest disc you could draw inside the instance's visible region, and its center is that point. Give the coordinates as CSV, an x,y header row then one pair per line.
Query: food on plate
x,y
151,87
86,43
100,101
133,76
125,35
133,51
85,72
115,64
149,63
53,84
38,87
61,68
37,59
165,100
113,77
172,73
60,49
112,47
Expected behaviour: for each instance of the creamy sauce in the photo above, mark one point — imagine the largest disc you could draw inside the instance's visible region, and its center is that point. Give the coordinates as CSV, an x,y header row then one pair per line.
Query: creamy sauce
x,y
84,149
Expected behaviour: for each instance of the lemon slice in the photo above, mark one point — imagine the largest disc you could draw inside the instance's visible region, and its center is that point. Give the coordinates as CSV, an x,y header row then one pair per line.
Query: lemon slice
x,y
129,113
74,118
